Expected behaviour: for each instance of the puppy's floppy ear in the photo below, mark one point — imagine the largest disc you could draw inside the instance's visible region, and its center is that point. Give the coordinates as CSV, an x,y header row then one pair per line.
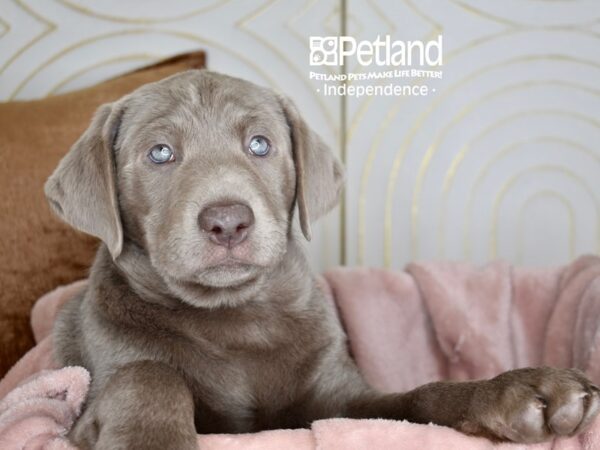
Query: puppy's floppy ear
x,y
82,189
319,174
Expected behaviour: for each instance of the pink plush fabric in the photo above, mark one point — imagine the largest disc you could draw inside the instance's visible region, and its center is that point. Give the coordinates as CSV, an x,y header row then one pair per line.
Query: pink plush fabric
x,y
456,321
39,413
433,321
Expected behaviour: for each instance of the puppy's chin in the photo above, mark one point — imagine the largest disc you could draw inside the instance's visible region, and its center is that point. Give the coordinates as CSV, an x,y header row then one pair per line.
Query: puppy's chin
x,y
230,275
219,286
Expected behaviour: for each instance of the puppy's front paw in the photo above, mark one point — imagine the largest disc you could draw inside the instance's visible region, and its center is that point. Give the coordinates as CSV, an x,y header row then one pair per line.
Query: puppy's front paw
x,y
533,405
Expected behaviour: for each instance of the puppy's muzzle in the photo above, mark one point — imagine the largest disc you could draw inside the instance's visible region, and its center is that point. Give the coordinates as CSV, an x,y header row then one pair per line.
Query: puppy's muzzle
x,y
227,224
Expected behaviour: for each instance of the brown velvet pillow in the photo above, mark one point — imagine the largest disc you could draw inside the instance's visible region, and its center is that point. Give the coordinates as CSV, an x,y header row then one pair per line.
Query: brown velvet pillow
x,y
38,252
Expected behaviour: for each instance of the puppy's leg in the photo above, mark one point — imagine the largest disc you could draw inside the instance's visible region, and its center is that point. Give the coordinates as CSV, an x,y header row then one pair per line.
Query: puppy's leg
x,y
143,405
524,405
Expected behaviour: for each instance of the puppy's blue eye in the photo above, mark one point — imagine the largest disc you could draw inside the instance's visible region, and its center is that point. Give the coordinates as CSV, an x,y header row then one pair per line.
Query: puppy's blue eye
x,y
161,153
259,146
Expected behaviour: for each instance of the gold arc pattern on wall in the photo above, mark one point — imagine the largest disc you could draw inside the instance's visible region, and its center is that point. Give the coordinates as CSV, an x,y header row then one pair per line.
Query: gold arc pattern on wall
x,y
145,57
477,11
440,136
419,122
466,149
289,25
400,154
141,20
174,33
49,28
455,164
387,244
485,170
4,27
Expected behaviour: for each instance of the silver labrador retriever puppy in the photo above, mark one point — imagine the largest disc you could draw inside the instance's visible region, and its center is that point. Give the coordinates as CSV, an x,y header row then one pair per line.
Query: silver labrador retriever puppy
x,y
201,313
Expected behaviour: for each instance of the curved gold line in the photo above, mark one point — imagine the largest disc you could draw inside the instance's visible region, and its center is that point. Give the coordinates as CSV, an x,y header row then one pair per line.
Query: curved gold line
x,y
6,27
180,34
103,63
241,24
440,136
398,160
335,11
436,30
378,12
359,25
422,15
33,13
526,204
502,153
506,33
480,13
289,23
143,21
542,168
366,173
51,26
254,13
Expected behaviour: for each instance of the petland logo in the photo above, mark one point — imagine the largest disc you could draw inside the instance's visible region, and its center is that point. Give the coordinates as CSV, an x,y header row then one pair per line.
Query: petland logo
x,y
398,68
334,50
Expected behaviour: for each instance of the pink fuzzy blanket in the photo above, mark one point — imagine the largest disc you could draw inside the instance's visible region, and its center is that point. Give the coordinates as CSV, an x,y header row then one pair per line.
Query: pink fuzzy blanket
x,y
433,321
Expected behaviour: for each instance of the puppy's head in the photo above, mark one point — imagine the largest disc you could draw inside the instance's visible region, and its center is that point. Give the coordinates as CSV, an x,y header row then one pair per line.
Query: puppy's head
x,y
202,171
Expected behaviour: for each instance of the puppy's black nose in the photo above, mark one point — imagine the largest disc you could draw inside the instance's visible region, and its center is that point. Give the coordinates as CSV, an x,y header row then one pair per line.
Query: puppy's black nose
x,y
226,224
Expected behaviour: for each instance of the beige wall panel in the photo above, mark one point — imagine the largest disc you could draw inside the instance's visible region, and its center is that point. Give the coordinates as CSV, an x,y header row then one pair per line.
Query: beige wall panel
x,y
503,160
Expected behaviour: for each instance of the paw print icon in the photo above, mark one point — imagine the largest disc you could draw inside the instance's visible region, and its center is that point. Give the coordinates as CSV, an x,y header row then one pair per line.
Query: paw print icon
x,y
323,51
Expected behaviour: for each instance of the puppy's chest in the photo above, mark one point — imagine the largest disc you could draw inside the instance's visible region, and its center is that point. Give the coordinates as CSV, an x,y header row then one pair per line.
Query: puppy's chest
x,y
257,371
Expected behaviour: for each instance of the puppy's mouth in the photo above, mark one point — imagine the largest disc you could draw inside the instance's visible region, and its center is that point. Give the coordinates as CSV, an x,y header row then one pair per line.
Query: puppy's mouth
x,y
230,262
225,274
